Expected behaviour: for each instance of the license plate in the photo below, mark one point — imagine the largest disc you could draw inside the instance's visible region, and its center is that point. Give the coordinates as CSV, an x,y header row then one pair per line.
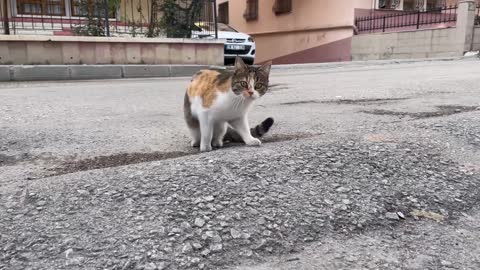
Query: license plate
x,y
235,47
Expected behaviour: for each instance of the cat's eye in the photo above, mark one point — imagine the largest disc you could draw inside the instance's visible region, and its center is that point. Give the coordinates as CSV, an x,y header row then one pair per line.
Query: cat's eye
x,y
259,86
244,84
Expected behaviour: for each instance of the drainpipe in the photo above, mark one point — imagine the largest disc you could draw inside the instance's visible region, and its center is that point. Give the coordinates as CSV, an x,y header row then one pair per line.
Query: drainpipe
x,y
6,25
215,20
107,25
473,37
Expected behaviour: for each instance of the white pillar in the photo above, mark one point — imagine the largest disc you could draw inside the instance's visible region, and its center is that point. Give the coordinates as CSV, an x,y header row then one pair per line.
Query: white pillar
x,y
465,25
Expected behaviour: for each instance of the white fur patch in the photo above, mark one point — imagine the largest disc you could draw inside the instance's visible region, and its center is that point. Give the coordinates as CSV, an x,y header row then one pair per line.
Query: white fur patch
x,y
226,107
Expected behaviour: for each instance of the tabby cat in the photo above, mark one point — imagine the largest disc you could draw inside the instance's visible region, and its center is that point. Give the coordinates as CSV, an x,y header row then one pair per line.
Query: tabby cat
x,y
217,104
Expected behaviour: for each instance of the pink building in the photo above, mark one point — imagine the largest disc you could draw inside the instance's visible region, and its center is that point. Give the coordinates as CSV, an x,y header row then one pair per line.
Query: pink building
x,y
293,31
308,31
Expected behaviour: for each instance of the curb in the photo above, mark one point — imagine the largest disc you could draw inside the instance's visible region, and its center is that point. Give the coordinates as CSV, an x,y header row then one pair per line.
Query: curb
x,y
370,63
95,72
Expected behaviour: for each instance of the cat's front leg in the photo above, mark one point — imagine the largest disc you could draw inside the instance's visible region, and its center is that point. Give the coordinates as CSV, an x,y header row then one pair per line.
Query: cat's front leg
x,y
219,131
241,126
206,130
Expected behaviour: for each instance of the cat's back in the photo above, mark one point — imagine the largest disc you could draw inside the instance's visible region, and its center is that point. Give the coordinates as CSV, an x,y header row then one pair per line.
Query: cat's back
x,y
207,84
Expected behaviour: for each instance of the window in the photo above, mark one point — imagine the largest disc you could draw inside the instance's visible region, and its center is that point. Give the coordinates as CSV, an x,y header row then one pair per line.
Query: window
x,y
388,4
435,4
409,5
223,13
282,6
79,8
251,12
96,8
41,7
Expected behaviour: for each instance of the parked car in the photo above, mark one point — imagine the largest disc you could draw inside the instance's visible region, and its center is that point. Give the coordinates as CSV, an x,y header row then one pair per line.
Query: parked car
x,y
236,43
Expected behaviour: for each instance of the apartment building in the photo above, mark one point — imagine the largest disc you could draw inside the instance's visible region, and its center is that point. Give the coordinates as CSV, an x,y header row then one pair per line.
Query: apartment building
x,y
293,31
308,31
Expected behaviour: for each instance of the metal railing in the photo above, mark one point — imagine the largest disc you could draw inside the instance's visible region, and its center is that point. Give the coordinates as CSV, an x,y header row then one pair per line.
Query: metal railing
x,y
147,18
406,20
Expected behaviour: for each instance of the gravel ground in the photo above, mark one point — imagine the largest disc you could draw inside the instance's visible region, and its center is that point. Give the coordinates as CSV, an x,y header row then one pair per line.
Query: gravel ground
x,y
380,179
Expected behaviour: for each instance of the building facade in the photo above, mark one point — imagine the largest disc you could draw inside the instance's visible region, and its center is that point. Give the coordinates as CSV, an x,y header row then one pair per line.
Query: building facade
x,y
409,5
308,31
125,17
293,31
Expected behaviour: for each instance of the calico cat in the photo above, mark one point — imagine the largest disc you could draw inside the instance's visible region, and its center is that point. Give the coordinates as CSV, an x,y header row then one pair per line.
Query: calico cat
x,y
217,99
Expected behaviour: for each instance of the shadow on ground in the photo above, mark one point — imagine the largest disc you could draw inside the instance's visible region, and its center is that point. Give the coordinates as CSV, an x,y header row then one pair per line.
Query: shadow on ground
x,y
365,101
123,159
444,110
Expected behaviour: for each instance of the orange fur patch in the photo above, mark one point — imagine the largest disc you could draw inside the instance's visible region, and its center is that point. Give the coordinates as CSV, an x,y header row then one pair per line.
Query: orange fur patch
x,y
204,85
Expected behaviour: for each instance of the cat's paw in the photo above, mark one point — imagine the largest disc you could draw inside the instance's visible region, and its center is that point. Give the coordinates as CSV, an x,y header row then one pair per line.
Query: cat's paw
x,y
253,142
217,144
205,148
195,143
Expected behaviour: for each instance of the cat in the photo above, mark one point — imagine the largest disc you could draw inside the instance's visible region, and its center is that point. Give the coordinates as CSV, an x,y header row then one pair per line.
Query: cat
x,y
217,99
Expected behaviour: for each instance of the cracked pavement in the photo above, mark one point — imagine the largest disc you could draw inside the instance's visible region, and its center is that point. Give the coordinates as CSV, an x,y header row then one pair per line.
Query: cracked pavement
x,y
366,167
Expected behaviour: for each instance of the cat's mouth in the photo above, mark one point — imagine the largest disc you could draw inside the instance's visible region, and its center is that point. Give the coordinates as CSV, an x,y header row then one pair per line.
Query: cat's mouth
x,y
250,94
247,93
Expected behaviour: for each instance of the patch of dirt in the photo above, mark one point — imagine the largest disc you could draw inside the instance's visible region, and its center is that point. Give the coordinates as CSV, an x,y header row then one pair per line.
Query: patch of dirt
x,y
365,101
284,137
278,87
116,160
123,159
444,110
7,160
300,102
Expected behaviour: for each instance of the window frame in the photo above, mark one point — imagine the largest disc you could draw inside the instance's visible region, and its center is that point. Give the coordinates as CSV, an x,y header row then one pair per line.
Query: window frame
x,y
75,3
251,10
389,4
282,7
43,5
223,13
67,8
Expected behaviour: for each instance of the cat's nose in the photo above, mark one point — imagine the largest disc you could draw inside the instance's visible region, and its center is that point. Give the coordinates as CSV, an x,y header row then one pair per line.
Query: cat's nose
x,y
250,92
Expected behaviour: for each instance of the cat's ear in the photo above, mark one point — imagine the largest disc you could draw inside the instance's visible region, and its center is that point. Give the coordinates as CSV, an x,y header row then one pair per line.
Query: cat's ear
x,y
266,67
239,64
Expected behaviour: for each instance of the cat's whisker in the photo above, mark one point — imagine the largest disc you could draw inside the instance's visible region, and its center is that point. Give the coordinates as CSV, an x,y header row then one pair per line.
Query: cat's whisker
x,y
238,103
235,101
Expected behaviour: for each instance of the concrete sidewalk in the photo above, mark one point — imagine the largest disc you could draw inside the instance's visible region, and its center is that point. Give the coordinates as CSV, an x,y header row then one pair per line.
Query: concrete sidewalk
x,y
94,72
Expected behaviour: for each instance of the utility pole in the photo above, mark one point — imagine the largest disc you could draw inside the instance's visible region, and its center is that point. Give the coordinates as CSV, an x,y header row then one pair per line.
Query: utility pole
x,y
107,24
6,25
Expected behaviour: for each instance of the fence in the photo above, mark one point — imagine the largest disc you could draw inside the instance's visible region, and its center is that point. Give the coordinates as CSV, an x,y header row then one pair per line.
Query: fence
x,y
406,20
147,18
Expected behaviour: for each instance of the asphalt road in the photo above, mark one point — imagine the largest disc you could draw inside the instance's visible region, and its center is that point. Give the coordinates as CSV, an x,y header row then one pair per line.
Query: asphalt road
x,y
366,167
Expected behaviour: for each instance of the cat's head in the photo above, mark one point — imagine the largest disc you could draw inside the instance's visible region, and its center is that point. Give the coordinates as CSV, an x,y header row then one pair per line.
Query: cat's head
x,y
250,81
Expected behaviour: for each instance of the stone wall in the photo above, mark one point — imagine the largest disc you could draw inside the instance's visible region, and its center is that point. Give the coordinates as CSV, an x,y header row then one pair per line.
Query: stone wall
x,y
405,45
422,43
61,50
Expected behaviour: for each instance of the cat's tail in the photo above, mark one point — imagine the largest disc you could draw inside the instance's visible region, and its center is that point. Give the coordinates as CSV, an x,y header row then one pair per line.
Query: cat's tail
x,y
257,131
262,128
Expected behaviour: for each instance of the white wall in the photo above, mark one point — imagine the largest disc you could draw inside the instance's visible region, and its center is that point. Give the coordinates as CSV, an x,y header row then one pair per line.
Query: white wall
x,y
428,43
